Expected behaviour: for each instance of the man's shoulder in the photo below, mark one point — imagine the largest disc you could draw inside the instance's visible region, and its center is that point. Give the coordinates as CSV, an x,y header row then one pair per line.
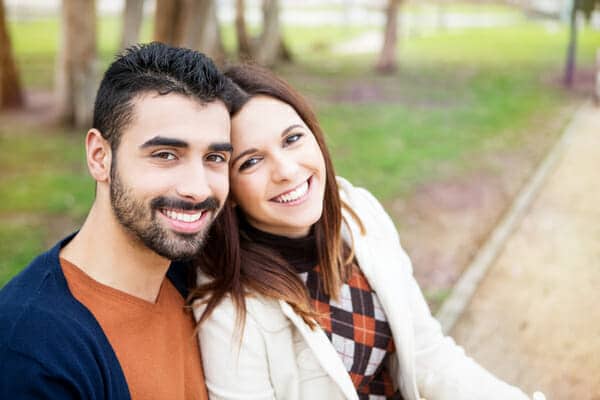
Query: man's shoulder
x,y
38,314
49,338
56,351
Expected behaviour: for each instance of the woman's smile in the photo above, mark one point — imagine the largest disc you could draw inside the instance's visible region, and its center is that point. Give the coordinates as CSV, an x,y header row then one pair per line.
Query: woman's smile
x,y
294,196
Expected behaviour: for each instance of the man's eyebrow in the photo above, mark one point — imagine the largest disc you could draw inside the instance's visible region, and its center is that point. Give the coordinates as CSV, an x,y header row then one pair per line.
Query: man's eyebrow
x,y
224,146
164,141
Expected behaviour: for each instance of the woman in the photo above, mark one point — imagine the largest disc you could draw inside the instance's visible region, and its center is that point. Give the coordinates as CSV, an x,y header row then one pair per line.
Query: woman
x,y
313,296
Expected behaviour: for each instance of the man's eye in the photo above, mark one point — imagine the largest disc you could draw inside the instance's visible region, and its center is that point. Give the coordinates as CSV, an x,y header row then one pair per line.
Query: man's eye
x,y
249,163
164,155
294,137
218,158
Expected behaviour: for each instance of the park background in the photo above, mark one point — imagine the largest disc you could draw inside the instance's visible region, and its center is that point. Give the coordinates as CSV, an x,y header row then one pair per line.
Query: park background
x,y
441,108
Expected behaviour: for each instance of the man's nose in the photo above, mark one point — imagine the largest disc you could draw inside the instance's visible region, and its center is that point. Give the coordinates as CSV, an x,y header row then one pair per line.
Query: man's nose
x,y
192,183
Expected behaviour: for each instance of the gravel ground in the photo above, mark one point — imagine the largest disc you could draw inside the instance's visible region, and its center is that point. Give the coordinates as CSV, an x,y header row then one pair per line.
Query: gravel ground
x,y
535,319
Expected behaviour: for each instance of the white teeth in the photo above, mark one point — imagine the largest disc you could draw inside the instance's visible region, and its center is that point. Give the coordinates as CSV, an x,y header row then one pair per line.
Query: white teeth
x,y
183,217
294,194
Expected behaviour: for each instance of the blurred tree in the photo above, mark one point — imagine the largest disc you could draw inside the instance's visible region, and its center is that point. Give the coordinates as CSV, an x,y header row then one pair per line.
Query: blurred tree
x,y
387,62
267,49
189,23
170,21
11,95
77,62
268,45
586,7
244,47
133,14
203,32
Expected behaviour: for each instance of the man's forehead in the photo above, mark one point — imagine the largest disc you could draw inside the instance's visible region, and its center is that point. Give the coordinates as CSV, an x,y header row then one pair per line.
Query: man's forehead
x,y
177,118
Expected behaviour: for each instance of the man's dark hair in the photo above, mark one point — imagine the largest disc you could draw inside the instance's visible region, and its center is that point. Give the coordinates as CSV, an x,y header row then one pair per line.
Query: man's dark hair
x,y
155,68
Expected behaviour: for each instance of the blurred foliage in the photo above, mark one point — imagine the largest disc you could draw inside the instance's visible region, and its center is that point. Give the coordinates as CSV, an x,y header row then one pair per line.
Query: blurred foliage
x,y
458,92
588,6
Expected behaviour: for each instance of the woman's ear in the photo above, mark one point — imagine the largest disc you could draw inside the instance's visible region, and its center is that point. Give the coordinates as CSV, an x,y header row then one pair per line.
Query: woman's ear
x,y
98,155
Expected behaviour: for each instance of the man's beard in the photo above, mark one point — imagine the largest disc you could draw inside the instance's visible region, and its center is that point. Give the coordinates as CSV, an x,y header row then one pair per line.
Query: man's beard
x,y
141,220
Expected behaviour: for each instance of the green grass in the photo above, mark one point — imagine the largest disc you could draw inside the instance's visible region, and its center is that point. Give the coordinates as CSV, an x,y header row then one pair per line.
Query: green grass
x,y
20,241
456,94
43,183
43,173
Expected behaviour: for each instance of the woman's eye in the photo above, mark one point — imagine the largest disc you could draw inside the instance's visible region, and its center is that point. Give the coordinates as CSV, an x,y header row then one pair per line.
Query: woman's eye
x,y
164,155
217,158
294,137
249,163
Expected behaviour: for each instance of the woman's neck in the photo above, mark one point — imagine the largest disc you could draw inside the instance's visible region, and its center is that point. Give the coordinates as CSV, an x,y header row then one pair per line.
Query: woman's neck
x,y
300,253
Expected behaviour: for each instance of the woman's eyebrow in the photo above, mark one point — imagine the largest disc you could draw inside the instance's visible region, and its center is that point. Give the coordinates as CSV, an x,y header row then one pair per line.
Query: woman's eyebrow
x,y
243,153
253,150
289,128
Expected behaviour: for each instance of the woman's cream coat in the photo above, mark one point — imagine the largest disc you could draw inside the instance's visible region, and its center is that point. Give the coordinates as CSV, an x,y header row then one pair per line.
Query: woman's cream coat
x,y
279,357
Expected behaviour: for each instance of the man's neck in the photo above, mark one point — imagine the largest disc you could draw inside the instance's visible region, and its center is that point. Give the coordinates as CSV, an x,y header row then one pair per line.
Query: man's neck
x,y
111,255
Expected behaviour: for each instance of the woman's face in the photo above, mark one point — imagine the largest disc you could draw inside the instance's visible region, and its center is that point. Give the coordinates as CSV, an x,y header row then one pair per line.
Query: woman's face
x,y
277,172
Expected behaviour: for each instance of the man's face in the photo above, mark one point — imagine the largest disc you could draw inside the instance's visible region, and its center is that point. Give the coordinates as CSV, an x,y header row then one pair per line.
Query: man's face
x,y
169,177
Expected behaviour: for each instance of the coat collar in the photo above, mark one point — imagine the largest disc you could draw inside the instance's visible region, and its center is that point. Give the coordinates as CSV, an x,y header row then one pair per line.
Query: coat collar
x,y
324,352
384,264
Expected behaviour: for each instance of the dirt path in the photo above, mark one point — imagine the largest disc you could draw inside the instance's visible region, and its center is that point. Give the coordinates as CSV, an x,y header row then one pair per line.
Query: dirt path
x,y
535,318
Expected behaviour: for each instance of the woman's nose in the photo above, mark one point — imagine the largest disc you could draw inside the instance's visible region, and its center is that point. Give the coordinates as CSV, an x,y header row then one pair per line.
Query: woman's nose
x,y
284,168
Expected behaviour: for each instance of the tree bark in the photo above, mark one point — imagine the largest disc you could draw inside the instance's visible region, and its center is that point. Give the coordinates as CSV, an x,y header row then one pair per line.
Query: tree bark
x,y
133,14
203,31
170,22
597,88
572,47
11,95
77,62
269,44
387,62
244,48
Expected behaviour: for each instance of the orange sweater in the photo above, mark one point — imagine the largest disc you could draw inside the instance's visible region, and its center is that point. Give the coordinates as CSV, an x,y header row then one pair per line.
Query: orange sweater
x,y
154,342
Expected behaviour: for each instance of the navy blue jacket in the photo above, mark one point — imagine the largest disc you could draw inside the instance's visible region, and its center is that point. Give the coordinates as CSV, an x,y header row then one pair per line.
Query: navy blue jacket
x,y
51,346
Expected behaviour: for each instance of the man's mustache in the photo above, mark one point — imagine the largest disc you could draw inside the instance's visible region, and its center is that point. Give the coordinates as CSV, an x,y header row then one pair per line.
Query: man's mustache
x,y
210,204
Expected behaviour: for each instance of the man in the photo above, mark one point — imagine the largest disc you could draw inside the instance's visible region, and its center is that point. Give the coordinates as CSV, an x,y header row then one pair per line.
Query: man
x,y
101,315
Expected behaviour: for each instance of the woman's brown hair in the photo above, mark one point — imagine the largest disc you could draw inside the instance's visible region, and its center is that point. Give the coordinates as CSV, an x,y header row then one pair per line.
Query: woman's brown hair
x,y
235,265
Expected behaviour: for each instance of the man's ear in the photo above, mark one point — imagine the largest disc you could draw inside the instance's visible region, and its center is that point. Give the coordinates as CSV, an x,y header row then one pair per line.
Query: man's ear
x,y
98,155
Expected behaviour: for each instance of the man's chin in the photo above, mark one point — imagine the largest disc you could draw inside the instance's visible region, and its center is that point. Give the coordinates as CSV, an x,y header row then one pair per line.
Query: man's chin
x,y
180,246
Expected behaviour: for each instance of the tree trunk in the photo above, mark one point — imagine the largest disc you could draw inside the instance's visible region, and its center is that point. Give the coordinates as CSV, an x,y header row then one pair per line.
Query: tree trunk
x,y
77,62
170,21
387,58
269,44
572,47
11,95
597,88
133,14
244,47
203,30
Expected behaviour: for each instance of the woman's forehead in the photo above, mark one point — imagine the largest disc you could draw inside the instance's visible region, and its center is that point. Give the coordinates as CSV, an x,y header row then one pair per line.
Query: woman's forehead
x,y
264,112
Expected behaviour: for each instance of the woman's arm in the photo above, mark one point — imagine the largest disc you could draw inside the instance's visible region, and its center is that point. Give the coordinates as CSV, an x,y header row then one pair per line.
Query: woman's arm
x,y
235,367
443,370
